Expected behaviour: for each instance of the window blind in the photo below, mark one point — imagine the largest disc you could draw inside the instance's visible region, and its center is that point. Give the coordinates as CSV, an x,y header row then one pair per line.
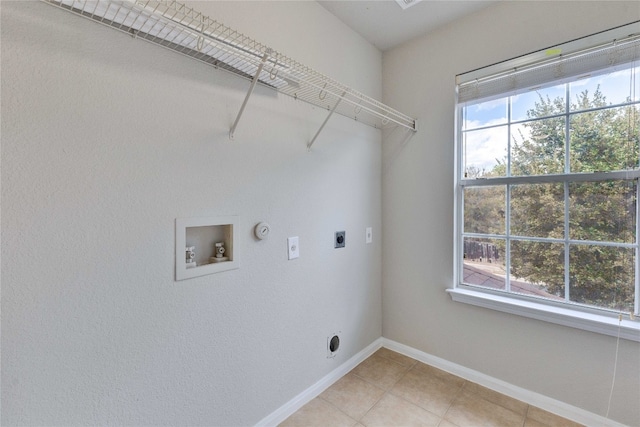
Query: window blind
x,y
616,54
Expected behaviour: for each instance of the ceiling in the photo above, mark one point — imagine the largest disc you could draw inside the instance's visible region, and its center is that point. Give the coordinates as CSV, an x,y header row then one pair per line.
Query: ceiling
x,y
385,24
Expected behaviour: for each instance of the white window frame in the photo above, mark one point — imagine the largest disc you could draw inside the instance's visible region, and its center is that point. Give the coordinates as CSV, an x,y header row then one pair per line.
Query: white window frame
x,y
563,313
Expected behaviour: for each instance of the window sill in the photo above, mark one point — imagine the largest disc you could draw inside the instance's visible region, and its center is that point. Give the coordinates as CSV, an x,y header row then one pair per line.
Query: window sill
x,y
628,329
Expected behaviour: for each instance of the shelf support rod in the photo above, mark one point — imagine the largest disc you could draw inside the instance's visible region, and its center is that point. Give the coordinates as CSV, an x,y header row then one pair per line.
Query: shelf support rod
x,y
326,120
246,98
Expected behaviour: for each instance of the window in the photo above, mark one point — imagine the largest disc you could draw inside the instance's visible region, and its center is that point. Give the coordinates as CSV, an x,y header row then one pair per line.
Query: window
x,y
548,163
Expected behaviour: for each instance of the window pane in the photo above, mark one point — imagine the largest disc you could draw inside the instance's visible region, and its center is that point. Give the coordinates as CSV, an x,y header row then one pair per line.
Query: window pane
x,y
558,234
602,276
537,268
484,114
538,147
603,211
484,210
484,263
605,140
538,103
537,210
606,89
485,152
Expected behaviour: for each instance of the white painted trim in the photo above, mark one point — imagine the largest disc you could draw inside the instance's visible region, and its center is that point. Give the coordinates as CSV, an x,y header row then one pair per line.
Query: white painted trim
x,y
286,410
531,398
230,224
535,399
628,329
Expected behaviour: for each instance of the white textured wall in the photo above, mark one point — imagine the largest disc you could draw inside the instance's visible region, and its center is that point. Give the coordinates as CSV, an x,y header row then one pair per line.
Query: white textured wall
x,y
105,141
418,78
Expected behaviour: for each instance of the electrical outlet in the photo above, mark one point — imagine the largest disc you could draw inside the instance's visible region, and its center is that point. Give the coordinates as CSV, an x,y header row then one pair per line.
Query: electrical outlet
x,y
293,246
340,239
369,234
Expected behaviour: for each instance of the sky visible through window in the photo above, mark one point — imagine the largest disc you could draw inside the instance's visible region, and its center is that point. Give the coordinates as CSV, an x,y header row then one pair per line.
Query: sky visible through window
x,y
560,237
485,130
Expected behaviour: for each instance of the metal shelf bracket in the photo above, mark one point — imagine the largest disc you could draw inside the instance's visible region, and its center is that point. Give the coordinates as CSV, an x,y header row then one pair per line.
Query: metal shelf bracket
x,y
182,29
246,98
325,121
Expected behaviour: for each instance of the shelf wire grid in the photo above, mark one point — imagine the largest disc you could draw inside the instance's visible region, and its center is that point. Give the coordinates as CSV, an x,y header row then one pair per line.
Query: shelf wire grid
x,y
180,28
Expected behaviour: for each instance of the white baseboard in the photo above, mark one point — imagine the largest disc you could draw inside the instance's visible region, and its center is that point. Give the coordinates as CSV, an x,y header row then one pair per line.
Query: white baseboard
x,y
312,392
543,402
535,399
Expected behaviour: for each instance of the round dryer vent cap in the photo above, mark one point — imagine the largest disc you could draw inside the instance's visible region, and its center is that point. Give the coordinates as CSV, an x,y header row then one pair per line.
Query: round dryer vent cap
x,y
334,344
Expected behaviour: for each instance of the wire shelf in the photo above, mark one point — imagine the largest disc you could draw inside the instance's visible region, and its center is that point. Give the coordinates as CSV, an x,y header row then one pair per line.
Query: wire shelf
x,y
180,28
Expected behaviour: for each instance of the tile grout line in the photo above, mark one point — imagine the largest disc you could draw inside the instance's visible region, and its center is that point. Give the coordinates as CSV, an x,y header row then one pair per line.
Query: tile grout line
x,y
372,406
526,416
465,387
457,395
390,360
480,396
340,410
386,391
413,365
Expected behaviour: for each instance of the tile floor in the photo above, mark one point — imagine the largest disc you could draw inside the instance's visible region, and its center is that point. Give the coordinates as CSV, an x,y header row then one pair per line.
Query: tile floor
x,y
390,389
